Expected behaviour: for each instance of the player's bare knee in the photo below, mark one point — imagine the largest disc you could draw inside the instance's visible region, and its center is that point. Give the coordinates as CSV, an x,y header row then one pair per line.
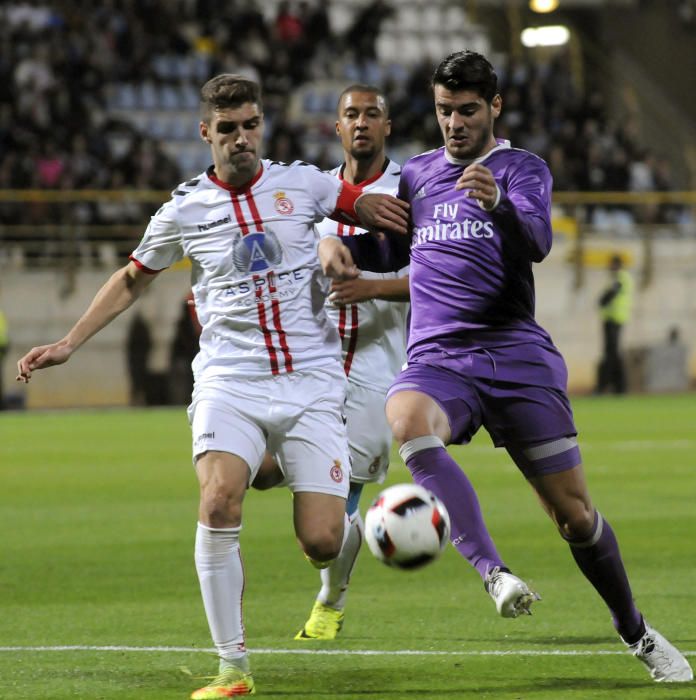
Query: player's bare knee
x,y
576,523
406,427
322,546
322,551
219,508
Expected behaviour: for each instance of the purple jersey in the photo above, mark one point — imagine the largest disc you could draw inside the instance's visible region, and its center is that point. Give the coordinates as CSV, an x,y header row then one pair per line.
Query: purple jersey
x,y
471,270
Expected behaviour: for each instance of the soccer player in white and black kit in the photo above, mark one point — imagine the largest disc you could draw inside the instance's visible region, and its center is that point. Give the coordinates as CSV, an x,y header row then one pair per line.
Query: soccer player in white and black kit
x,y
269,373
370,314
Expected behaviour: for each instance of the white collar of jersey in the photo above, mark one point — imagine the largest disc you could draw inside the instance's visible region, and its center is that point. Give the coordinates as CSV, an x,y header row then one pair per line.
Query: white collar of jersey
x,y
502,144
388,167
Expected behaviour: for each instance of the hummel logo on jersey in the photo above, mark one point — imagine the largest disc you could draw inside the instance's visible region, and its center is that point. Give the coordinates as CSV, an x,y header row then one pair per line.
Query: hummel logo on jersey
x,y
213,224
420,193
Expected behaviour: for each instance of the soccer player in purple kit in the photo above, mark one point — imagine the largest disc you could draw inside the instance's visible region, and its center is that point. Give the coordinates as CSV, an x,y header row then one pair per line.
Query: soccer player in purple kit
x,y
476,356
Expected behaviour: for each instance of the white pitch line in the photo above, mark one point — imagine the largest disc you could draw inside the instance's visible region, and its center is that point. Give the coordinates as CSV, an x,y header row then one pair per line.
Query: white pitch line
x,y
340,652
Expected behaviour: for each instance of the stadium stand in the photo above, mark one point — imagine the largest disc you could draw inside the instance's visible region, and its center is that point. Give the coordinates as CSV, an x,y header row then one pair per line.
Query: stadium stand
x,y
88,93
97,125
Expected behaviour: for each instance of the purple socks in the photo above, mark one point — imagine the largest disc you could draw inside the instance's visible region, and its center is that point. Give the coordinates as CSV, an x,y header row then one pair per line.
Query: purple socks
x,y
598,556
600,561
434,469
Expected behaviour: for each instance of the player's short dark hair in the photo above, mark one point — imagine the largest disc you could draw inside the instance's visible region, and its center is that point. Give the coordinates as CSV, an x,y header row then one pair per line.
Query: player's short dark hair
x,y
363,87
226,91
467,70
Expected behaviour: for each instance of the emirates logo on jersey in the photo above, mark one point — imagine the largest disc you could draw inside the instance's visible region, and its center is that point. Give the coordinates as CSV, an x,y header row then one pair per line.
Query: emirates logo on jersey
x,y
283,205
256,251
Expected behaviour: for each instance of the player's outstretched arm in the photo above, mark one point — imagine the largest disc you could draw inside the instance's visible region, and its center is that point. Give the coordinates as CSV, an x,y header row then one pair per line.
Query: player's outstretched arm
x,y
382,211
362,289
336,260
119,292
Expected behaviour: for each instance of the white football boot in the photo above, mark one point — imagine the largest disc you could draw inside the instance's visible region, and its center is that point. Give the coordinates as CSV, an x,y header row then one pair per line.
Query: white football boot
x,y
511,594
664,661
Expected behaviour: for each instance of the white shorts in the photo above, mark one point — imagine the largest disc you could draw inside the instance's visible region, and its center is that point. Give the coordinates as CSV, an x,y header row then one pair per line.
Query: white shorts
x,y
298,417
369,435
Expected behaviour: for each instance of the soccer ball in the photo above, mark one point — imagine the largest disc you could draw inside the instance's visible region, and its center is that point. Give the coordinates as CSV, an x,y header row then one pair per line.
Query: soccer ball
x,y
407,526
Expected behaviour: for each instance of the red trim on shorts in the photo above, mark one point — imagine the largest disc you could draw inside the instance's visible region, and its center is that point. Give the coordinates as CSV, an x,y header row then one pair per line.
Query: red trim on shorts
x,y
347,363
275,309
273,356
142,267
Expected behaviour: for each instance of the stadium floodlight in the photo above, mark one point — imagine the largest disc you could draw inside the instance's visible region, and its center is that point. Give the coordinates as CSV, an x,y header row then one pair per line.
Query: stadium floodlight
x,y
551,35
543,6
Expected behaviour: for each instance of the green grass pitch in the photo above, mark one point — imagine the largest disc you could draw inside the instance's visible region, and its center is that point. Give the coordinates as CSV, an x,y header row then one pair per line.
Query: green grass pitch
x,y
97,517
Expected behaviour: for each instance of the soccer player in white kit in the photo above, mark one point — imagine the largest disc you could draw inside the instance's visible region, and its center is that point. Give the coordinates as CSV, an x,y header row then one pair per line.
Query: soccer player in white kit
x,y
269,374
370,314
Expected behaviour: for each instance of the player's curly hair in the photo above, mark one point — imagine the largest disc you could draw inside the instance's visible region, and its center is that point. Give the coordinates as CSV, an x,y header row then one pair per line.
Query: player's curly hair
x,y
467,70
228,90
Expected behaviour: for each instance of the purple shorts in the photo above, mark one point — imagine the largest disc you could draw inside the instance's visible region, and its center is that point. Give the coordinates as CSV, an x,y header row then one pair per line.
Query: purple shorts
x,y
532,420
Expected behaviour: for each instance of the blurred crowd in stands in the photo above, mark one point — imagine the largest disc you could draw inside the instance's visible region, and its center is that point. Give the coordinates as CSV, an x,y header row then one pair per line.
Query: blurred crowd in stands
x,y
65,64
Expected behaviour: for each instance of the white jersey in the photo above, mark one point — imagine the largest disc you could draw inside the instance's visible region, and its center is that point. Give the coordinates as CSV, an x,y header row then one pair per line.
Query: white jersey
x,y
257,284
373,333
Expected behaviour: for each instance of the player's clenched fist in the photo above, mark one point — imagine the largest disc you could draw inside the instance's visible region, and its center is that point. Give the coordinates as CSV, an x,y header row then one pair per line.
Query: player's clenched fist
x,y
336,260
479,180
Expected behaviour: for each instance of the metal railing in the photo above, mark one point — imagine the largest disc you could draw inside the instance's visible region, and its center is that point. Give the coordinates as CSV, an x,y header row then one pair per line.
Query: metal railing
x,y
68,243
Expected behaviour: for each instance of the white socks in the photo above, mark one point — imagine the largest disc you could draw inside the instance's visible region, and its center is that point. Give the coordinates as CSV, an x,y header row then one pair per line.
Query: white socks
x,y
221,577
336,576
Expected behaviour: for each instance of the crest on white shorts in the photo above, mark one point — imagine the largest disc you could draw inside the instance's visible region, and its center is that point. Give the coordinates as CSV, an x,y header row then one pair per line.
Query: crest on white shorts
x,y
336,471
